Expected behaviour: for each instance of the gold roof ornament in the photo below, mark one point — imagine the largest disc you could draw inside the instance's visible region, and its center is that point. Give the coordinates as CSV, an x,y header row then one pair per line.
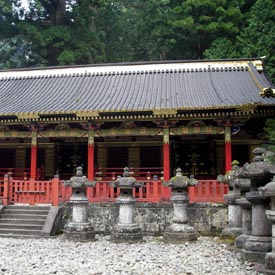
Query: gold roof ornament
x,y
267,92
87,113
159,112
27,116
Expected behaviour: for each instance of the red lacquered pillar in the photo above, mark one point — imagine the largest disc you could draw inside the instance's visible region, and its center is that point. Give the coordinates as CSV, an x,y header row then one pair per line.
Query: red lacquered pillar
x,y
228,148
91,161
6,190
55,188
166,154
91,155
33,155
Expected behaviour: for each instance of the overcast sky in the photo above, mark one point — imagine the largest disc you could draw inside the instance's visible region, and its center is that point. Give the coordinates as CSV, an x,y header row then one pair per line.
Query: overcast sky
x,y
24,2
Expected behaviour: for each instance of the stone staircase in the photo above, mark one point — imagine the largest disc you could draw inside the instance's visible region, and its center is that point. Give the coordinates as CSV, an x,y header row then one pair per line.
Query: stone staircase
x,y
18,221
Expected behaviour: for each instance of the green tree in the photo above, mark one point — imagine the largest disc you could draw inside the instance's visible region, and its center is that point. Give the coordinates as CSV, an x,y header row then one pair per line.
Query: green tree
x,y
195,24
9,44
116,30
258,37
52,32
153,40
42,27
60,32
133,30
270,130
85,46
221,48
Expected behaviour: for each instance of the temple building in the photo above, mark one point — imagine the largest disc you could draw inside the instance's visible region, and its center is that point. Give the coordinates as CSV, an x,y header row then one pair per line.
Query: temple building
x,y
150,116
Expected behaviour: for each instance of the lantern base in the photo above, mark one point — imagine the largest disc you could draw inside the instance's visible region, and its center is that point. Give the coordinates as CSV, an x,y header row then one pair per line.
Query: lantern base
x,y
177,233
80,232
240,241
269,264
231,233
126,233
255,248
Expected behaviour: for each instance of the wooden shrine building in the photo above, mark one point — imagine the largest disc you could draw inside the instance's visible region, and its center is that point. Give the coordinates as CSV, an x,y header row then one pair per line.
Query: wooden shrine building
x,y
152,117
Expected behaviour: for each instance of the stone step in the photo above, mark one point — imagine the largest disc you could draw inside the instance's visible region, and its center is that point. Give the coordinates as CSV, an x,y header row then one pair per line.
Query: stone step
x,y
21,221
28,207
21,226
26,211
23,216
19,231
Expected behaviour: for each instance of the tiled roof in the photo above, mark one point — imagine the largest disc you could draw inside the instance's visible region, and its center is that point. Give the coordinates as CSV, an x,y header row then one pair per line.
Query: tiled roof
x,y
135,87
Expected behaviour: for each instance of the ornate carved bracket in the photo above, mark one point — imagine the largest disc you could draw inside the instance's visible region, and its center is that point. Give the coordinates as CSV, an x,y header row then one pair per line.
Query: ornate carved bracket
x,y
91,125
62,127
166,123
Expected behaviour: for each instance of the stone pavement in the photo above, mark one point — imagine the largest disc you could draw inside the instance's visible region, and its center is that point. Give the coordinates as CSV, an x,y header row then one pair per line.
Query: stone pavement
x,y
59,256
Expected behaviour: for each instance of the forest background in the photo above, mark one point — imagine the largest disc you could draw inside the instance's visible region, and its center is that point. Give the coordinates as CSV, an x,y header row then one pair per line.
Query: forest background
x,y
67,32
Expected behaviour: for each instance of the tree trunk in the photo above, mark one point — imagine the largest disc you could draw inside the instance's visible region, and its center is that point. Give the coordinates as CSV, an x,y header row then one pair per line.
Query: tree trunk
x,y
56,10
92,25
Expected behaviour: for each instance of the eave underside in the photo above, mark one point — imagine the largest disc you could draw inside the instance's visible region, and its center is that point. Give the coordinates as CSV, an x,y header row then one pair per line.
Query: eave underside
x,y
232,113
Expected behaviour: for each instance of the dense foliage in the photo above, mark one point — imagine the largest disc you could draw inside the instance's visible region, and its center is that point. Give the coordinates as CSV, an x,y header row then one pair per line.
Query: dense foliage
x,y
60,32
270,131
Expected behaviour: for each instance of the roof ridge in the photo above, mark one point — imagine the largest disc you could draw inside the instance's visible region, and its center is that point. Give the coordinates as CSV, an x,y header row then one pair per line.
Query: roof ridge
x,y
87,71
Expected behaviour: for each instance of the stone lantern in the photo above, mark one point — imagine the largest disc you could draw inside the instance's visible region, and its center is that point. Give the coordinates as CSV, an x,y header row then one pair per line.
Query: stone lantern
x,y
259,242
180,230
126,230
246,222
242,185
268,191
79,228
234,228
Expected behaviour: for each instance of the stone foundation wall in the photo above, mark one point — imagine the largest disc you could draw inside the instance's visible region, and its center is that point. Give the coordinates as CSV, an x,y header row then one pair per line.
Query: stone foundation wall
x,y
206,218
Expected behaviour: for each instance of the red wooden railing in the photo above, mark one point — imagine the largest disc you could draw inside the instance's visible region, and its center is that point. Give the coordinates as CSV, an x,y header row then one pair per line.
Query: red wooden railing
x,y
16,173
54,192
140,173
21,173
208,191
152,191
29,191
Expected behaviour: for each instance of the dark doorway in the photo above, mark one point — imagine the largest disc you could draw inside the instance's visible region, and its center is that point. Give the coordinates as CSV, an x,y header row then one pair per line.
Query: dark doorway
x,y
197,158
150,156
117,157
71,155
7,158
240,153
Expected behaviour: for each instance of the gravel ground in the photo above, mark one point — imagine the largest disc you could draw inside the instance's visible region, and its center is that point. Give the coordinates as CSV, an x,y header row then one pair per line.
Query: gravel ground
x,y
152,257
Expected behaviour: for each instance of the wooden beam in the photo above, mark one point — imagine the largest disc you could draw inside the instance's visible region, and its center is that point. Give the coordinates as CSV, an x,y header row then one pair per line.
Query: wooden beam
x,y
63,133
25,145
200,130
140,131
15,134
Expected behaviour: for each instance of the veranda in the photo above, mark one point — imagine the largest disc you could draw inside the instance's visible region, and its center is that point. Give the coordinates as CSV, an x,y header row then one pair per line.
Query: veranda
x,y
54,192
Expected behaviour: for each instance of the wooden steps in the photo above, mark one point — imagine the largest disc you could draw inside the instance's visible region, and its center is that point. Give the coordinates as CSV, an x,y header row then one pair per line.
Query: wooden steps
x,y
20,221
